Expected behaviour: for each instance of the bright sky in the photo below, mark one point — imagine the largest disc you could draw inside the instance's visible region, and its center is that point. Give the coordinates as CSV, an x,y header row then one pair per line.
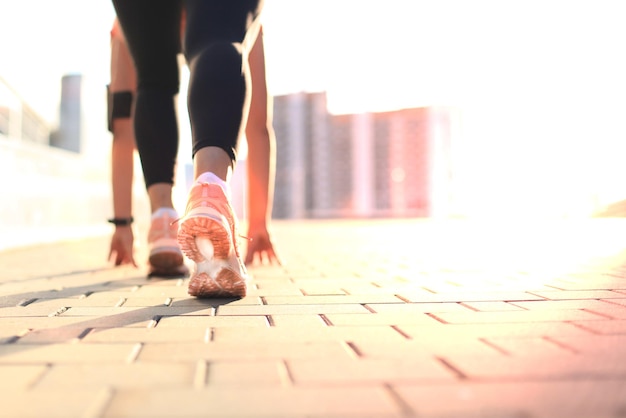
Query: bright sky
x,y
540,84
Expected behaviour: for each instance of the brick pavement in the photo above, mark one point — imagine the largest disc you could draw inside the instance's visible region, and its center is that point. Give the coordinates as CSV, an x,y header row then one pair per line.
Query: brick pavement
x,y
403,318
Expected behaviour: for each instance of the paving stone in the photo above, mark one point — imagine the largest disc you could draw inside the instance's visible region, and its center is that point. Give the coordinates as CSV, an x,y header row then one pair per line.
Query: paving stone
x,y
328,372
240,373
604,327
258,402
54,403
421,296
254,350
102,300
213,321
561,304
431,346
580,294
117,376
275,334
601,346
374,319
340,299
491,306
144,335
306,309
20,311
518,316
542,365
414,308
65,353
40,322
507,329
546,399
609,311
298,320
52,335
20,377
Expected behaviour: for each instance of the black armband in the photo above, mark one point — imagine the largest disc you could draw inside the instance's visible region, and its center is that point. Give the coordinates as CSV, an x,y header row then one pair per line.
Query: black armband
x,y
119,106
121,221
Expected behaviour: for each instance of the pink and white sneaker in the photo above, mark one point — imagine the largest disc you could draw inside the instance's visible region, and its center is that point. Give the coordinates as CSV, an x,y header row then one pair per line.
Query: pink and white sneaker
x,y
165,255
208,235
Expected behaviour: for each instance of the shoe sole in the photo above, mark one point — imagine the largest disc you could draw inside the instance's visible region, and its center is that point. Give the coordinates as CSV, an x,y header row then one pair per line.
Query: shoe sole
x,y
226,284
209,224
177,272
165,259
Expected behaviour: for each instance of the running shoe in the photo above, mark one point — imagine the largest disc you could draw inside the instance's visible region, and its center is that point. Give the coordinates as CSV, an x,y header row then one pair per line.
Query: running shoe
x,y
208,235
165,257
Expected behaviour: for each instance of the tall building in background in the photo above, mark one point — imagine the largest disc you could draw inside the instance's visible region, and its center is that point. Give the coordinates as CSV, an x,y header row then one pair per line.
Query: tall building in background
x,y
387,164
68,136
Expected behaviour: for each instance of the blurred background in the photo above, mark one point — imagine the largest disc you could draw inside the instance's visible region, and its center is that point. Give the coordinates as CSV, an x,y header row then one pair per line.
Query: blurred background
x,y
396,108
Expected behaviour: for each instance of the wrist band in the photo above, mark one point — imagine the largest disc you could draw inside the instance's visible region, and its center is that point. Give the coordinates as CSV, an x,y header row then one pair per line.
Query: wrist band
x,y
121,221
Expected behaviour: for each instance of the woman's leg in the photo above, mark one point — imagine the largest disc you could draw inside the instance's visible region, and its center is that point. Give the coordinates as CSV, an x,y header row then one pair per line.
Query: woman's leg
x,y
217,36
152,31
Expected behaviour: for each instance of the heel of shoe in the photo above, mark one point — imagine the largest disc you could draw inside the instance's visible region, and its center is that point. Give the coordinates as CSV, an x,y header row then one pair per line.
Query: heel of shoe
x,y
209,226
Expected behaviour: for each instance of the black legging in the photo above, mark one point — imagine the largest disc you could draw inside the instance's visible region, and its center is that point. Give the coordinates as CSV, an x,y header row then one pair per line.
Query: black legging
x,y
218,86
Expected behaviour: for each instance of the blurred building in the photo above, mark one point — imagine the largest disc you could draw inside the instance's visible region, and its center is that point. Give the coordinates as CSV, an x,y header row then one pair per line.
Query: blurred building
x,y
18,120
68,136
55,191
387,164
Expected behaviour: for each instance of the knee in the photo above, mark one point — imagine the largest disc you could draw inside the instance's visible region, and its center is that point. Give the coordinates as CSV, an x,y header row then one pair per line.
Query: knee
x,y
215,55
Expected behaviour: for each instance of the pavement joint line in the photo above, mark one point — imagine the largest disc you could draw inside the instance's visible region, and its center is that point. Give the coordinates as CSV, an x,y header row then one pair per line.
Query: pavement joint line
x,y
612,302
560,344
326,321
58,312
402,298
353,349
399,331
153,322
405,409
100,403
445,363
468,306
209,335
134,353
435,317
583,327
494,346
285,375
598,313
83,334
201,374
